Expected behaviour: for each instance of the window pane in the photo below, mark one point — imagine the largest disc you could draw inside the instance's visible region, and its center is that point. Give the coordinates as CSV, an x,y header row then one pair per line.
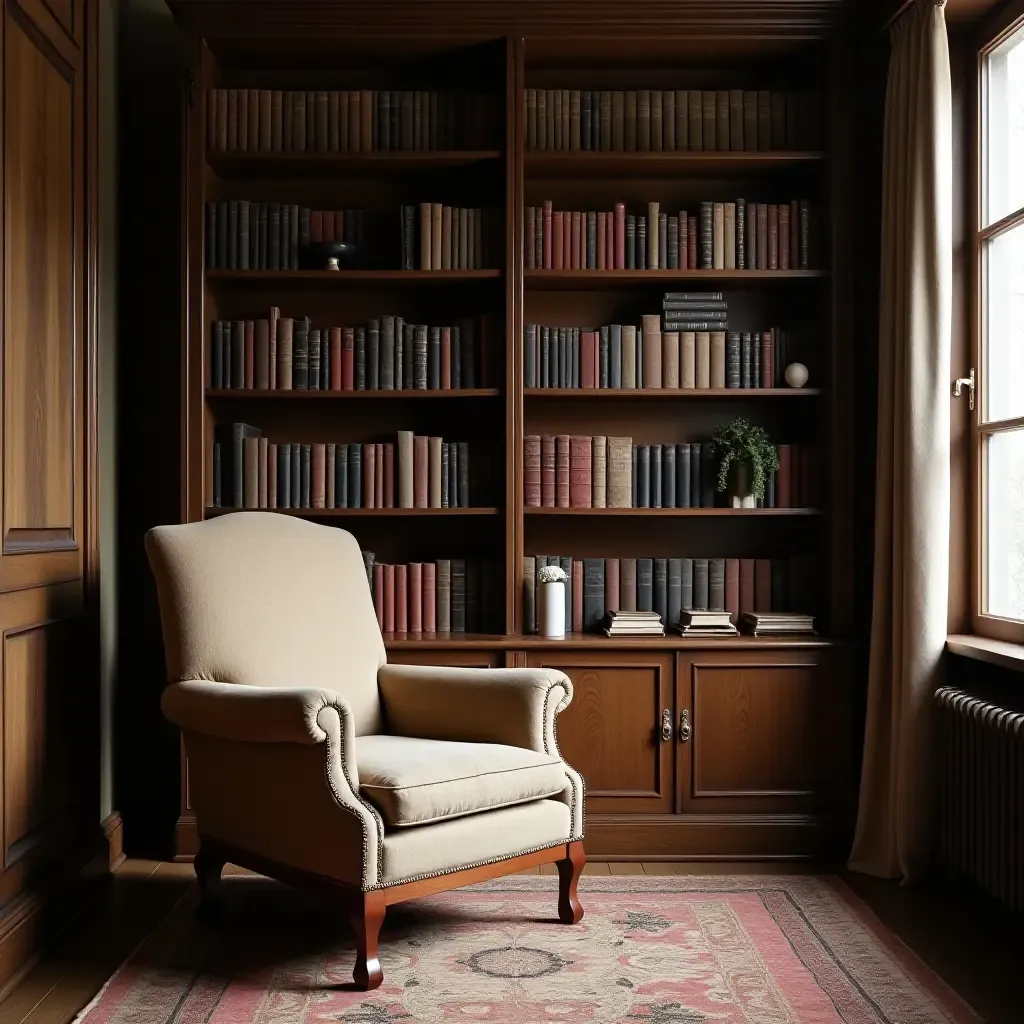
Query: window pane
x,y
1004,327
1005,133
1005,515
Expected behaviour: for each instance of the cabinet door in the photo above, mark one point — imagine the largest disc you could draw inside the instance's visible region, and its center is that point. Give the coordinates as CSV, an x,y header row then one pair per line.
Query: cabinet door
x,y
768,732
611,732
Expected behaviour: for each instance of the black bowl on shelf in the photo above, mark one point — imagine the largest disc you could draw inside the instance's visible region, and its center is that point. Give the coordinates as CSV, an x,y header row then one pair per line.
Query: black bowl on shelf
x,y
315,255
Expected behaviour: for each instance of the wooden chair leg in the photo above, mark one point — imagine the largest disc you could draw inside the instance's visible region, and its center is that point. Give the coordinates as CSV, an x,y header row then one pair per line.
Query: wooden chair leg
x,y
208,866
367,917
570,910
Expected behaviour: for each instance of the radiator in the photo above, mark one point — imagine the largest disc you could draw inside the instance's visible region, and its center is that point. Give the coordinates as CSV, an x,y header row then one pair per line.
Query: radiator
x,y
983,793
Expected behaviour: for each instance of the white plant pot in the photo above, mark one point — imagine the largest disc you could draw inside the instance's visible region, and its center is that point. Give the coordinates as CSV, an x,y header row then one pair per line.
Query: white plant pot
x,y
741,482
551,611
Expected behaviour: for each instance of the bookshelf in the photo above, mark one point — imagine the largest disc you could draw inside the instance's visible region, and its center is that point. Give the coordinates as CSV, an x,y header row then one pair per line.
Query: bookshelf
x,y
794,690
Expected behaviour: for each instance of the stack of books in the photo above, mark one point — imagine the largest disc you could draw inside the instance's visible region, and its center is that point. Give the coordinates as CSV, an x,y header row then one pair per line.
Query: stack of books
x,y
777,623
705,624
694,311
633,624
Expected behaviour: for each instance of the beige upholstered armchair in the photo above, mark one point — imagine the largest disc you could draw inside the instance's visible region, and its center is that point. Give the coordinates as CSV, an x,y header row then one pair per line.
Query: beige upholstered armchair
x,y
314,761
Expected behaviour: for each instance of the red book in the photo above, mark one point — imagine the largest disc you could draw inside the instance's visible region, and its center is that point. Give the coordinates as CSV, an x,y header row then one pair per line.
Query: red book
x,y
773,236
389,475
429,597
763,585
378,476
691,242
316,225
558,240
574,247
732,588
275,314
561,471
318,472
746,585
588,361
378,593
794,230
531,471
348,345
784,263
415,597
620,237
566,240
684,245
783,479
401,599
250,353
547,234
389,599
420,470
581,479
446,358
611,584
335,349
602,239
547,472
577,596
369,475
767,358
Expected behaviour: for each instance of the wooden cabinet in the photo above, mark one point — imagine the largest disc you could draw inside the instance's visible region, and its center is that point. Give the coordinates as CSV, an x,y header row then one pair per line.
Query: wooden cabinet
x,y
457,659
612,731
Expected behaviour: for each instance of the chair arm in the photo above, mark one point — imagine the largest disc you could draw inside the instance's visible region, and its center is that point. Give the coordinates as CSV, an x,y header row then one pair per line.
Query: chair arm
x,y
254,714
513,706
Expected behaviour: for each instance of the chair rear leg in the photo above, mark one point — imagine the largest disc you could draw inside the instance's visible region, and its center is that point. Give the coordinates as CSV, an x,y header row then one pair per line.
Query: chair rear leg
x,y
367,916
208,866
570,911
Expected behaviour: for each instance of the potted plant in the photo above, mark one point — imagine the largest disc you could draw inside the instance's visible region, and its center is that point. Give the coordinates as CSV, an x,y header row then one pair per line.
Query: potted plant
x,y
745,457
551,602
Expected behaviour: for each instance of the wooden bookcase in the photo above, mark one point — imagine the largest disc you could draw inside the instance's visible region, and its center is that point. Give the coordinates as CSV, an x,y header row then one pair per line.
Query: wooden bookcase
x,y
761,756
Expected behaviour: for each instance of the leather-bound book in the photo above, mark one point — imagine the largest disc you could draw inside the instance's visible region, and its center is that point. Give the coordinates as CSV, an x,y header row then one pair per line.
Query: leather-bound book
x,y
746,360
388,625
618,120
629,360
794,234
285,333
773,236
387,451
580,471
446,358
708,476
272,468
687,359
652,346
695,473
444,595
717,368
588,359
660,588
562,471
330,470
600,471
529,623
750,143
355,476
722,121
419,357
415,584
732,588
709,106
433,358
619,472
695,119
305,474
703,359
369,464
429,597
654,476
420,472
653,253
733,364
701,597
783,233
762,585
378,593
729,236
804,234
683,472
463,474
434,472
612,594
686,584
284,476
762,236
531,471
735,122
668,102
668,476
576,576
645,584
716,584
458,592
262,454
318,481
448,500
767,359
401,598
606,119
783,479
674,591
643,476
547,471
627,585
764,120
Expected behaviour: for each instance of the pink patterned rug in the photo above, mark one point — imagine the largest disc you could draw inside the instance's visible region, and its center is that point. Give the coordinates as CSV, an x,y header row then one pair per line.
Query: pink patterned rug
x,y
650,950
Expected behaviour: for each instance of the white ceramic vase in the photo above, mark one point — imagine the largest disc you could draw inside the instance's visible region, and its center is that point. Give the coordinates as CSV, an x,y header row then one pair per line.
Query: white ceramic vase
x,y
741,485
551,611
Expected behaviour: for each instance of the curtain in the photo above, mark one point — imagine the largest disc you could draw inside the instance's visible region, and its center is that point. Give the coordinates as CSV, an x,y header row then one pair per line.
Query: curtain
x,y
896,820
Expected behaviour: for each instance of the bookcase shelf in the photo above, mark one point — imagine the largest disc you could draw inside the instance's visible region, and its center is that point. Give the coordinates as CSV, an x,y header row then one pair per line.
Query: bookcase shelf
x,y
642,513
598,641
601,279
290,395
339,278
361,513
316,165
576,164
655,394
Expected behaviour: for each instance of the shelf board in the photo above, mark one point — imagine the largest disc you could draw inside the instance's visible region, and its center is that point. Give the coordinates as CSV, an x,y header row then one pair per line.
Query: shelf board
x,y
292,395
339,278
670,512
655,393
671,641
578,164
312,165
355,513
601,279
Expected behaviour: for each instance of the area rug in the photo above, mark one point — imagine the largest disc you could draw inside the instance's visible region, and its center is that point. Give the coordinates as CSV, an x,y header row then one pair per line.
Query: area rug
x,y
650,950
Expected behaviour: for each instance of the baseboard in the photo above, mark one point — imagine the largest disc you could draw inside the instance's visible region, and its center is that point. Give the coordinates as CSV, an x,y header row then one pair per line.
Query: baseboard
x,y
113,835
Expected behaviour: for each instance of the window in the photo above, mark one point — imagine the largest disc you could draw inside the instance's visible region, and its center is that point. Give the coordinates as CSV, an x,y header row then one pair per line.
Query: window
x,y
999,583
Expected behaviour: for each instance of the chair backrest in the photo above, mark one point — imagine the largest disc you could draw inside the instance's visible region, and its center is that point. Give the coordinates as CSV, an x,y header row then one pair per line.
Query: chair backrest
x,y
269,600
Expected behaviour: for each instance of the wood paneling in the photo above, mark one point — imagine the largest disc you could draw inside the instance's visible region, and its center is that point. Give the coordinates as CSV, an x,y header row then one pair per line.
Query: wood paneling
x,y
611,733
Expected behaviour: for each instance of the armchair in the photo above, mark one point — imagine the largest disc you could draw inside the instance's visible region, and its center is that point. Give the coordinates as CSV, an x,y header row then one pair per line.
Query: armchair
x,y
315,762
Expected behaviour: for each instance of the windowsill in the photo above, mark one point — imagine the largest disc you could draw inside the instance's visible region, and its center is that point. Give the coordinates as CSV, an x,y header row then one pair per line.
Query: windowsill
x,y
980,648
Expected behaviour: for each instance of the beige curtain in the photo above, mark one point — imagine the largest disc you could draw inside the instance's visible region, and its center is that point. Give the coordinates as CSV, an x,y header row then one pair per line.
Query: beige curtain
x,y
896,816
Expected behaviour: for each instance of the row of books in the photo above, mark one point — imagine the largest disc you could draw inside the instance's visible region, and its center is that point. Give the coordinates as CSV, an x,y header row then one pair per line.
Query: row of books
x,y
250,471
736,235
439,237
448,595
627,356
668,586
346,121
576,471
656,120
286,353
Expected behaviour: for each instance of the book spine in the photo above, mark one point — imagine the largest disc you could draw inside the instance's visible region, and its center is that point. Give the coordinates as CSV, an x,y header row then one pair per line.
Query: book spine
x,y
562,464
580,472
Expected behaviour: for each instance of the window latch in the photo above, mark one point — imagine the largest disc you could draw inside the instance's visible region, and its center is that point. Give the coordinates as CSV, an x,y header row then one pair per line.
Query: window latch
x,y
969,381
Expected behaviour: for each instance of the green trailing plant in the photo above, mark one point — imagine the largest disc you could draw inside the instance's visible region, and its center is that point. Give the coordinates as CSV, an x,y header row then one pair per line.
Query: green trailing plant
x,y
740,441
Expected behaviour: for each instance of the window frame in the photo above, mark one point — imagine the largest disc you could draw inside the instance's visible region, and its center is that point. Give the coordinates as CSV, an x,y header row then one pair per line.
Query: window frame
x,y
993,33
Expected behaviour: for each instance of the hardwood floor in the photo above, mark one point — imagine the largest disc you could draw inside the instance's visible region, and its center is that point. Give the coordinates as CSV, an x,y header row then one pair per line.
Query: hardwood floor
x,y
973,945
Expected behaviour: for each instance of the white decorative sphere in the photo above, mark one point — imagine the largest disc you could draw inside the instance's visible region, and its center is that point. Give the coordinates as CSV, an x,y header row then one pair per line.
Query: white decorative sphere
x,y
796,375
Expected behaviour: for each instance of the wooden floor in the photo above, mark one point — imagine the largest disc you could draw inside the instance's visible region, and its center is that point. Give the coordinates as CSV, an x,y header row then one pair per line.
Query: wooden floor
x,y
968,942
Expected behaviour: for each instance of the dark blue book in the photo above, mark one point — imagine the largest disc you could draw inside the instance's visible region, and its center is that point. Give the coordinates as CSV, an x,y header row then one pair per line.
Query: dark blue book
x,y
341,476
668,476
682,476
284,476
655,476
355,476
645,584
661,589
643,476
695,471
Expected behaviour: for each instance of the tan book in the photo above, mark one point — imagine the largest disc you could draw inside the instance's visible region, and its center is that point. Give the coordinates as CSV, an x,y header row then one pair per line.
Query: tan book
x,y
703,361
436,220
599,465
722,119
669,119
643,120
729,257
628,356
687,359
434,472
629,121
276,120
232,119
718,359
657,119
265,121
736,120
264,457
426,249
618,120
575,135
446,238
405,469
696,120
718,237
709,106
251,472
682,119
620,472
651,344
653,209
670,359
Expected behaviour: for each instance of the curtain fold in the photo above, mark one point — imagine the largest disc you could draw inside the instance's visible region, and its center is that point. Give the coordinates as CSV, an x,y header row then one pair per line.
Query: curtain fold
x,y
896,820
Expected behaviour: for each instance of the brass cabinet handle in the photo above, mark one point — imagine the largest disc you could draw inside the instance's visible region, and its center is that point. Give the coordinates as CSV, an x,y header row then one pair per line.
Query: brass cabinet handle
x,y
685,731
666,726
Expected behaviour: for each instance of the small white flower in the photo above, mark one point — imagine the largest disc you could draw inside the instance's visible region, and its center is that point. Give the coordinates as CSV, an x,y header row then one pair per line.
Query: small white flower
x,y
552,574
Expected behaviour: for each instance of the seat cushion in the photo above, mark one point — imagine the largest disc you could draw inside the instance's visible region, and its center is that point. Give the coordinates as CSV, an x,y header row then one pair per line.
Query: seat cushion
x,y
416,782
